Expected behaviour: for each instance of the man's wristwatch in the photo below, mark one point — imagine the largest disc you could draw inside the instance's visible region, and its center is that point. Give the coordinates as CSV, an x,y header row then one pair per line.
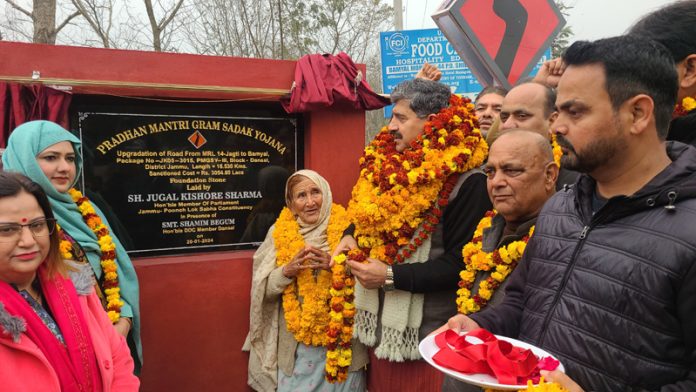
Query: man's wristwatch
x,y
389,280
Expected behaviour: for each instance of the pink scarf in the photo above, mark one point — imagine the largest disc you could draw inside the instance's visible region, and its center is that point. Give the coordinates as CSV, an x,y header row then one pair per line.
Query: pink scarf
x,y
75,363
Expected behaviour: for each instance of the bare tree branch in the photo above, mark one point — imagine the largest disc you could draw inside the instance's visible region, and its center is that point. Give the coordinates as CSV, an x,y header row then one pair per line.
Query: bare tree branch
x,y
19,8
67,20
93,18
164,24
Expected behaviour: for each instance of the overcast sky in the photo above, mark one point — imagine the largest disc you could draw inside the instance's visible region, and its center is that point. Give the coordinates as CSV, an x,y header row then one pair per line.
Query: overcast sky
x,y
589,19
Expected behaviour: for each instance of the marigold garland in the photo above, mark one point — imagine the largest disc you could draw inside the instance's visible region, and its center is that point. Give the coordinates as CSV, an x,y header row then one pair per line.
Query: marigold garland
x,y
400,193
557,152
684,107
339,354
501,262
313,321
107,259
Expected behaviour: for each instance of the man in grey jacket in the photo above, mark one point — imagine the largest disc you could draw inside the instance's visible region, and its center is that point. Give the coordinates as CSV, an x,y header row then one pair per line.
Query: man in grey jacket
x,y
607,283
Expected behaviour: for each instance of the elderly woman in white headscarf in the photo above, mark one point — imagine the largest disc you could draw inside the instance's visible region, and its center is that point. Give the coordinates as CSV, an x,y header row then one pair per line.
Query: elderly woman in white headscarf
x,y
290,294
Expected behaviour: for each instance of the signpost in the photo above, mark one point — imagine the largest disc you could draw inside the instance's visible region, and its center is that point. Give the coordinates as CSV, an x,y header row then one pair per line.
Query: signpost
x,y
500,40
404,52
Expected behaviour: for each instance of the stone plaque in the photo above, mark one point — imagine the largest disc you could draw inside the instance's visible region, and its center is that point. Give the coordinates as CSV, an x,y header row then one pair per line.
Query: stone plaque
x,y
173,184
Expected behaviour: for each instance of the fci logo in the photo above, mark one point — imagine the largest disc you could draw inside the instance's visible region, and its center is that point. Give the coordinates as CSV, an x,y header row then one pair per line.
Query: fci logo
x,y
398,43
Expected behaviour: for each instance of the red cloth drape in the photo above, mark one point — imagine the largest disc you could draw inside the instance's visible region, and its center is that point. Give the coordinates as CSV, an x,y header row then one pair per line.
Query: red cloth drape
x,y
326,80
20,103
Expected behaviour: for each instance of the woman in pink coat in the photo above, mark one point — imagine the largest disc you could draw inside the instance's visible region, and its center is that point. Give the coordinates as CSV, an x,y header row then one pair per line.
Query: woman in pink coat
x,y
54,333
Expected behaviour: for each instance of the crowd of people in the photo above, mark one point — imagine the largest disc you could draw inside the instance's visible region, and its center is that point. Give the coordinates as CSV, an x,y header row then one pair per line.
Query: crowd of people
x,y
559,213
585,169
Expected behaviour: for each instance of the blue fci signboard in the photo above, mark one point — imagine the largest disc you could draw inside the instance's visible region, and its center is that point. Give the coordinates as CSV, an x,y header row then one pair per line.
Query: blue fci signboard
x,y
404,52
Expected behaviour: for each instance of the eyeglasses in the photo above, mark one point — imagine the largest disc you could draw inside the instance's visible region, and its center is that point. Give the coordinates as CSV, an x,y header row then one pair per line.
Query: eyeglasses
x,y
11,232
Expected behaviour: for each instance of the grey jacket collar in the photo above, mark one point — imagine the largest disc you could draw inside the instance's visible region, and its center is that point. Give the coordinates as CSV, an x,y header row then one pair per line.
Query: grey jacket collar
x,y
83,280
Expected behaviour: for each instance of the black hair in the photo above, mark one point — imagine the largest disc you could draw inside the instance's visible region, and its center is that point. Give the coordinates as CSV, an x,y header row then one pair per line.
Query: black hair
x,y
674,26
426,96
498,90
632,66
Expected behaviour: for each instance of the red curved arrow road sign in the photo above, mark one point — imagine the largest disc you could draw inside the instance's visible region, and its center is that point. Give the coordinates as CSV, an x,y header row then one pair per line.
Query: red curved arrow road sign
x,y
500,40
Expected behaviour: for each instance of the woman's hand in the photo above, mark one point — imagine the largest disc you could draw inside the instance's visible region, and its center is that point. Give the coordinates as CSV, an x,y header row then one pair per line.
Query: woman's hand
x,y
318,258
307,258
291,269
123,326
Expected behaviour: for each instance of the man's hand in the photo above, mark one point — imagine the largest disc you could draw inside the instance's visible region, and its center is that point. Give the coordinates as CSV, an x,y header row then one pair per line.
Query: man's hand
x,y
550,73
371,274
429,72
347,243
559,377
458,324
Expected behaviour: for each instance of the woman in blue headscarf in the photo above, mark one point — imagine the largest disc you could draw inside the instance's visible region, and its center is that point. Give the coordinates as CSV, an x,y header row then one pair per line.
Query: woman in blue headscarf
x,y
50,156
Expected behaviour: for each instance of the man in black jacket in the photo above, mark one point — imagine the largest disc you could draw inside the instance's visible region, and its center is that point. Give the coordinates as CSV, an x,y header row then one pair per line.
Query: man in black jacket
x,y
674,26
608,282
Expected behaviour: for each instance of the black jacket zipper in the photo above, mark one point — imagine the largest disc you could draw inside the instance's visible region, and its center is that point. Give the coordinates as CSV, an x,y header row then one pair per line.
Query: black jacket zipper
x,y
564,281
597,218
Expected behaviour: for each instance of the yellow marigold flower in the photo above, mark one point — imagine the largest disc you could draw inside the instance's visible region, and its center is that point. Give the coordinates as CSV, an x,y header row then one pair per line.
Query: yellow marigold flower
x,y
504,255
331,354
521,247
412,177
113,316
471,305
112,291
497,276
340,258
65,249
689,103
344,362
467,275
109,266
464,291
480,261
456,119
